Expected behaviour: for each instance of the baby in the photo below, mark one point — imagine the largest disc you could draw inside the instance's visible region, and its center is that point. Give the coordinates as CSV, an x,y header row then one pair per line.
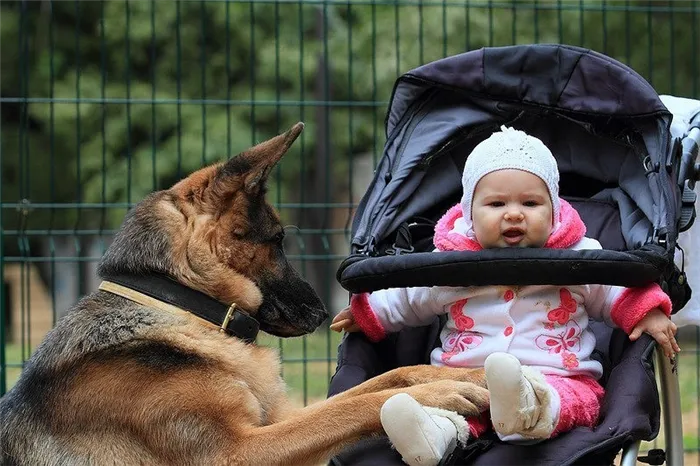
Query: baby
x,y
534,342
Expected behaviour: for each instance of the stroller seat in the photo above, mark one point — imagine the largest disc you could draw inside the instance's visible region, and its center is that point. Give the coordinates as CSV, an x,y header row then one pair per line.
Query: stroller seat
x,y
621,168
630,410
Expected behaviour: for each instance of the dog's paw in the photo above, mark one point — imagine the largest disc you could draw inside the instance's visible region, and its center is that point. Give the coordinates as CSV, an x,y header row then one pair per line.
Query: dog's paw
x,y
465,398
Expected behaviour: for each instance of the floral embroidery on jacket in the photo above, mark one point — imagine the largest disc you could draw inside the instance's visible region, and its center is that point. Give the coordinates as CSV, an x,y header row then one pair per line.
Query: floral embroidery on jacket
x,y
461,339
568,306
462,322
569,338
458,342
569,360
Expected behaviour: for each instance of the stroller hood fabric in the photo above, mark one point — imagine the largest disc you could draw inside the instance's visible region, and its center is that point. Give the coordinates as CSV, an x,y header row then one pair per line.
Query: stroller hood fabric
x,y
602,121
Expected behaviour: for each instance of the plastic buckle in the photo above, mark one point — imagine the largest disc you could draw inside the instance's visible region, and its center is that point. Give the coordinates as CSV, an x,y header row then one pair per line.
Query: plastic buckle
x,y
461,455
655,456
403,237
367,248
659,237
397,251
449,458
688,199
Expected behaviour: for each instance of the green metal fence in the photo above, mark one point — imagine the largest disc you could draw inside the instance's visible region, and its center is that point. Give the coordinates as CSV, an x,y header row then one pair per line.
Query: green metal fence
x,y
105,101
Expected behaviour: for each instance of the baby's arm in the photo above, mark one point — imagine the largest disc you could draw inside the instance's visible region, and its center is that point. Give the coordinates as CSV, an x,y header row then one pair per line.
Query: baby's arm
x,y
635,310
387,311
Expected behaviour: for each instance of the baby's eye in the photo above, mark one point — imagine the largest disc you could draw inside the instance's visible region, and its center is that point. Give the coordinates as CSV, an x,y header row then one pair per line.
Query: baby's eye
x,y
497,204
530,203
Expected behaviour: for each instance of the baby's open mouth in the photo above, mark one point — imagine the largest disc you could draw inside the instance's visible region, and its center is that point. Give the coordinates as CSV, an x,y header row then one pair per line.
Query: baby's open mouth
x,y
514,235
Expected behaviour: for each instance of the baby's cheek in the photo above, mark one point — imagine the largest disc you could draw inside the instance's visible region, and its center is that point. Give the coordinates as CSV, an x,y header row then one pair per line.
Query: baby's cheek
x,y
543,228
545,221
485,236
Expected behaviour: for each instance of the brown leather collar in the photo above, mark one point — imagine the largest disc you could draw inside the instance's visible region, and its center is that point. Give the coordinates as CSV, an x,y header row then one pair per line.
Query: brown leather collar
x,y
163,293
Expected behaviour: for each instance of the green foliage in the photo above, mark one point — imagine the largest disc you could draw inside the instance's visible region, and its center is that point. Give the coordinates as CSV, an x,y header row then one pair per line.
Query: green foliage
x,y
128,96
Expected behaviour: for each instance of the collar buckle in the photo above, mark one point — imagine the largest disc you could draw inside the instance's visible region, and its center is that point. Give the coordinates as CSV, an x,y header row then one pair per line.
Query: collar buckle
x,y
227,318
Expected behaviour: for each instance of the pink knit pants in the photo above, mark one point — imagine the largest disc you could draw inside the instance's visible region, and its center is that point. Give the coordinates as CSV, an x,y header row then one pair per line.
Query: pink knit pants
x,y
580,398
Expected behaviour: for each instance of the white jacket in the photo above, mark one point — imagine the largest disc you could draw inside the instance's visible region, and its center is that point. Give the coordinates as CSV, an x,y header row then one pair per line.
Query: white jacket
x,y
545,327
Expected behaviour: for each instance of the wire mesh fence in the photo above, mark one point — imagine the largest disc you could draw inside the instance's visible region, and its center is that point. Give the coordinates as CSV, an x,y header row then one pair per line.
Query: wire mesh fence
x,y
105,101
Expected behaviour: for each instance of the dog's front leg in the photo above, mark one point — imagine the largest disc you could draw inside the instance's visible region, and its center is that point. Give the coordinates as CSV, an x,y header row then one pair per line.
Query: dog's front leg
x,y
414,375
313,434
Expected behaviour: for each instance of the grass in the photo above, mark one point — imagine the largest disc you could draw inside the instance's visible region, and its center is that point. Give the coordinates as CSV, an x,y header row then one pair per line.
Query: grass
x,y
690,441
689,378
13,356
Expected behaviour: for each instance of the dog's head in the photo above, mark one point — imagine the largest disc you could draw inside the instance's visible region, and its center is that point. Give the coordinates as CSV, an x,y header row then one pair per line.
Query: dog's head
x,y
215,232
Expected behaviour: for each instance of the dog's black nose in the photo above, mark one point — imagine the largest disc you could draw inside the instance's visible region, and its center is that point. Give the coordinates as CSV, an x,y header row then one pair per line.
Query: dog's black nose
x,y
314,316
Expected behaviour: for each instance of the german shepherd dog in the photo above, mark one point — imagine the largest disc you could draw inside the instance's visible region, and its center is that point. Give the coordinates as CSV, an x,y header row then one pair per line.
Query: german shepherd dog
x,y
159,366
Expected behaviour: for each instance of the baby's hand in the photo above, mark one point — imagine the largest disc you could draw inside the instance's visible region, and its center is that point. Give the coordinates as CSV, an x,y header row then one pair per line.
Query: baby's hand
x,y
656,324
344,321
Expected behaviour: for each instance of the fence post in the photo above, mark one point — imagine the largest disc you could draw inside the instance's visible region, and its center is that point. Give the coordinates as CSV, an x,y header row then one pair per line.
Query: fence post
x,y
3,362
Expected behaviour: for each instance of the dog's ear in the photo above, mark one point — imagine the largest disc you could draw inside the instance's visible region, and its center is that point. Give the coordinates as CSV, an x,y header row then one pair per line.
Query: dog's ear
x,y
256,163
264,156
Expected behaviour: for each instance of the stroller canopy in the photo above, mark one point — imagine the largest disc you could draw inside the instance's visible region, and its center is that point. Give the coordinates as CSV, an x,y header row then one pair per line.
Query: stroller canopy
x,y
604,123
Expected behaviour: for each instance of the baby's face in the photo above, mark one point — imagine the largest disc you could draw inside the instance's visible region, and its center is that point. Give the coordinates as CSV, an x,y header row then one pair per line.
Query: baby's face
x,y
511,208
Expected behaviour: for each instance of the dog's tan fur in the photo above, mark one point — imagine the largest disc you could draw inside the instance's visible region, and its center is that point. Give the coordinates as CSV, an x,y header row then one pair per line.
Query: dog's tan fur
x,y
118,382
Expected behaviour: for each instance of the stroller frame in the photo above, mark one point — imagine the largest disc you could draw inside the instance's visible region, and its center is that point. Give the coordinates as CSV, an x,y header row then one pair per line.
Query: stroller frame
x,y
355,276
673,419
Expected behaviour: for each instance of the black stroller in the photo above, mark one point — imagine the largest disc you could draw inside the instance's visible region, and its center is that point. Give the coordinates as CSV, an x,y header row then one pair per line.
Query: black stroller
x,y
627,175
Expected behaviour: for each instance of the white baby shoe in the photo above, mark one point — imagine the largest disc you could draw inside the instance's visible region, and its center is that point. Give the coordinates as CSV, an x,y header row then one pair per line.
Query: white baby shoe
x,y
422,435
522,402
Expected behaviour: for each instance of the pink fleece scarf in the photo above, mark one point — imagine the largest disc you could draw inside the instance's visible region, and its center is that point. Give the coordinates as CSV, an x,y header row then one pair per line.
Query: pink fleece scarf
x,y
570,230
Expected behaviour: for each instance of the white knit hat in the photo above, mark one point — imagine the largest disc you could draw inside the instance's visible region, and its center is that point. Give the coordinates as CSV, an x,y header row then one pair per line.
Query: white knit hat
x,y
509,149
